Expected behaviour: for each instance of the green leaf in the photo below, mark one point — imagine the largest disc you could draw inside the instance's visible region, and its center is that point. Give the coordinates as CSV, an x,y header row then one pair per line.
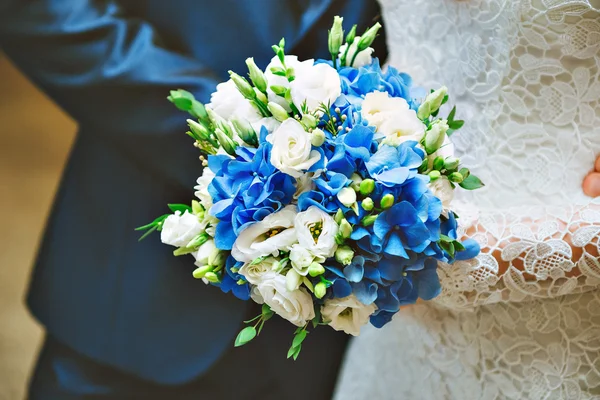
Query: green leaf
x,y
291,352
451,116
180,207
182,103
317,317
253,319
456,124
445,99
147,233
471,183
245,335
458,246
297,353
299,338
445,238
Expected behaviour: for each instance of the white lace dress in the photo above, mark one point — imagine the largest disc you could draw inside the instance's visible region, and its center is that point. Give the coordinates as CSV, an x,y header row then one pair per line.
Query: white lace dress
x,y
522,320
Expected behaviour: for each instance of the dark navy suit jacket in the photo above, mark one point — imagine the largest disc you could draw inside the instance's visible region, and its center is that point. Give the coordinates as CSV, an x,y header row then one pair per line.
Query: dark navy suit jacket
x,y
110,64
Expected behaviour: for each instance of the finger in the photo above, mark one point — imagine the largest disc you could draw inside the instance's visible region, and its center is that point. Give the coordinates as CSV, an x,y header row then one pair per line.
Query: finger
x,y
597,165
591,184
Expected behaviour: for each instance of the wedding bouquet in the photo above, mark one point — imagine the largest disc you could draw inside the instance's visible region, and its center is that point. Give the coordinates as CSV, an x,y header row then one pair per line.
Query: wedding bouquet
x,y
326,189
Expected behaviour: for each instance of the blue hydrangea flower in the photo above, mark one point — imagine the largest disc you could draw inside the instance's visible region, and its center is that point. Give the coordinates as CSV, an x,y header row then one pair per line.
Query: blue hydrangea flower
x,y
229,283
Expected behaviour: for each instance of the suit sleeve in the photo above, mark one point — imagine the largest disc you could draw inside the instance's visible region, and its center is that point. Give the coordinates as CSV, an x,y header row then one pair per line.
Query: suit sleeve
x,y
108,71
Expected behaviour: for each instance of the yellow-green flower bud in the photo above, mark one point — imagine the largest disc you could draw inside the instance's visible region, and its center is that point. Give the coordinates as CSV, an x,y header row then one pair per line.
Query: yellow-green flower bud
x,y
451,163
198,130
336,36
278,112
438,163
434,175
317,137
245,130
196,207
345,229
368,37
256,75
212,277
261,96
339,216
367,204
456,177
243,86
344,255
387,201
435,136
436,98
200,272
356,180
320,290
309,121
370,220
367,186
315,269
351,35
228,144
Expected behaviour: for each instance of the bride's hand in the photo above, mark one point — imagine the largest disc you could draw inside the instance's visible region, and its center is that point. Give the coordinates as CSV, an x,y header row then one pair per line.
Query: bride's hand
x,y
591,183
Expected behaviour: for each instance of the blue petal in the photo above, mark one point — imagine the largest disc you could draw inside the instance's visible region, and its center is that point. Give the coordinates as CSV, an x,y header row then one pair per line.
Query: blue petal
x,y
391,269
341,288
224,236
354,272
365,292
428,283
395,247
380,318
472,249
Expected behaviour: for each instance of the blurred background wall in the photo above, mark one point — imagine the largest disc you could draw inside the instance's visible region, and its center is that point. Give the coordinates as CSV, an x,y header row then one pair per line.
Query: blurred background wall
x,y
35,138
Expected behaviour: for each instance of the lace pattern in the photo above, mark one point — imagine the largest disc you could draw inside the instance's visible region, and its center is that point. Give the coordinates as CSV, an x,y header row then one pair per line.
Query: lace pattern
x,y
522,320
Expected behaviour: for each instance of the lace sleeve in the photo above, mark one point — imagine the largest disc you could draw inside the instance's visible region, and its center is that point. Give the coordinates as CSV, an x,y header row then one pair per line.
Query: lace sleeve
x,y
526,253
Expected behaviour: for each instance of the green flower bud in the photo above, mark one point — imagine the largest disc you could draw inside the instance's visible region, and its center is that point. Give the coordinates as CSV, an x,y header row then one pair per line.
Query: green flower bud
x,y
370,220
336,36
339,216
198,130
228,144
320,290
317,137
434,175
261,96
456,177
212,277
200,272
309,121
344,255
278,112
279,90
243,86
451,163
436,98
217,258
347,196
197,208
367,186
465,173
367,204
351,35
197,241
241,282
424,111
292,280
387,201
245,131
315,269
356,180
345,229
368,37
438,163
256,75
435,136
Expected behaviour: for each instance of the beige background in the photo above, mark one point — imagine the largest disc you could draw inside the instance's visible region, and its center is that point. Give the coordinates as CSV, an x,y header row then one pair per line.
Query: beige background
x,y
35,137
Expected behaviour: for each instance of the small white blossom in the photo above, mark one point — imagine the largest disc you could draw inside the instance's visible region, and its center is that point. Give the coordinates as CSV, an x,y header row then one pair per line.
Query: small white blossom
x,y
347,314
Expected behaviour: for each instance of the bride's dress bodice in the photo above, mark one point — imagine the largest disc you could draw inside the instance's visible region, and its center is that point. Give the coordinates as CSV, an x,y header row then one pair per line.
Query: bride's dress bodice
x,y
525,75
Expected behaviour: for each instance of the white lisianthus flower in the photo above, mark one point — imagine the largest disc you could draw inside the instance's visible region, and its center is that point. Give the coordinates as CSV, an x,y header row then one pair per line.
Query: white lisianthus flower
x,y
442,189
319,84
378,107
268,122
255,272
276,80
267,237
296,306
202,188
179,229
316,232
227,102
304,184
401,127
301,259
205,252
292,151
363,58
347,314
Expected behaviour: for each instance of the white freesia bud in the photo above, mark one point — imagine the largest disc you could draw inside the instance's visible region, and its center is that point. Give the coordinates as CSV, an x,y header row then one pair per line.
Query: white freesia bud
x,y
256,75
292,150
254,272
179,229
432,102
315,85
316,232
347,314
301,259
295,306
317,137
362,58
347,196
278,112
243,86
267,237
336,35
206,253
435,136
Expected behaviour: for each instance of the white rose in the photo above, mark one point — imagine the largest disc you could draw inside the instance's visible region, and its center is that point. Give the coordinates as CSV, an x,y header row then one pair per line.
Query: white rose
x,y
304,184
228,102
442,189
255,272
378,107
276,80
179,229
347,314
363,58
292,151
301,259
267,237
319,84
202,188
296,306
316,232
205,252
401,127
